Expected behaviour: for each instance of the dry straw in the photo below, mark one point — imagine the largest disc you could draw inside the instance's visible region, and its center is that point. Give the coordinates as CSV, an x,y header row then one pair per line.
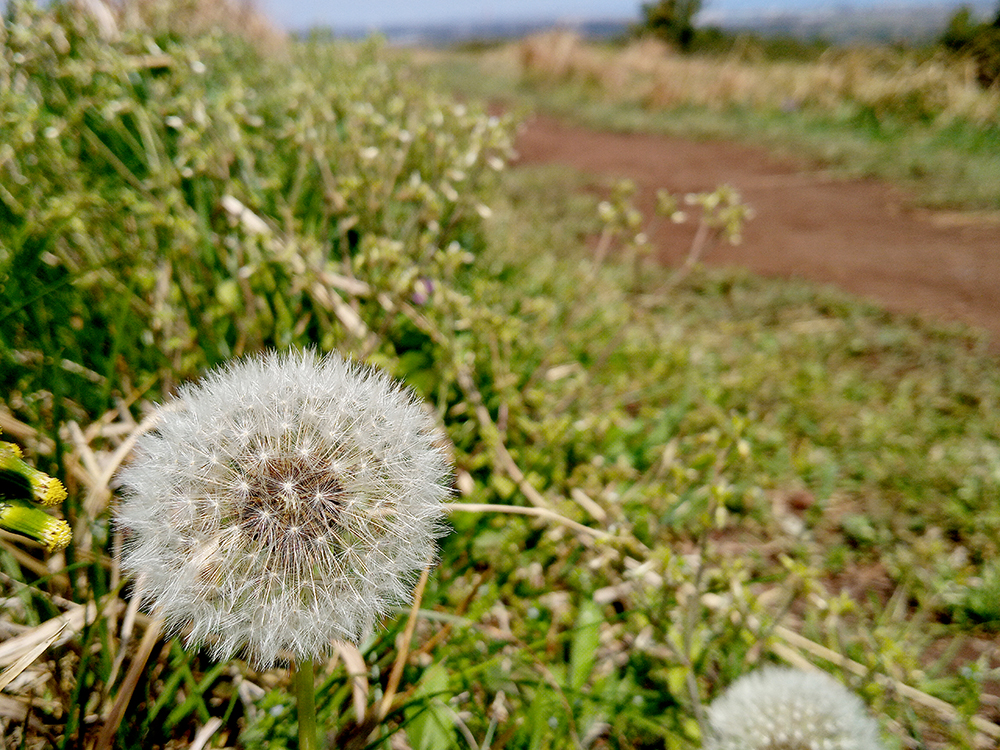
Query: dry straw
x,y
650,72
192,17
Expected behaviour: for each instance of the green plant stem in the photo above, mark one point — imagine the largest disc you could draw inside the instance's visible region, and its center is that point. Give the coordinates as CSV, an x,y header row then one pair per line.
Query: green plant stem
x,y
305,687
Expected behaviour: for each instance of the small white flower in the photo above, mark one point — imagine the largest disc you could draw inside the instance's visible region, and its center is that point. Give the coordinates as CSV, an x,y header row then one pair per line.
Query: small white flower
x,y
787,709
449,192
284,501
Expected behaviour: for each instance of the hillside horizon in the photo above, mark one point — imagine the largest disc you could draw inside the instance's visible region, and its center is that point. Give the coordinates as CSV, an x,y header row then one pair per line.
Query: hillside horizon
x,y
849,21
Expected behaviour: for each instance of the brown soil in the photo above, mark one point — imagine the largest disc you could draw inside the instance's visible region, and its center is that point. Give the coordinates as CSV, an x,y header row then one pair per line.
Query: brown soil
x,y
860,235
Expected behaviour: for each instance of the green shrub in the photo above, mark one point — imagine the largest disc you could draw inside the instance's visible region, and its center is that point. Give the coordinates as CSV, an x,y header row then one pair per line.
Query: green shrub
x,y
980,42
168,204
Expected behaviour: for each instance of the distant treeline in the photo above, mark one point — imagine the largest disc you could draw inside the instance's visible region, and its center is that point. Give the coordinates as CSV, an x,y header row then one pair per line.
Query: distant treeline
x,y
687,25
980,41
789,37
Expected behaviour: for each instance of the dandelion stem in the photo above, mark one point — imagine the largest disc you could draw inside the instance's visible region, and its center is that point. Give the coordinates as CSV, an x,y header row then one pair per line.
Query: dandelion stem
x,y
305,686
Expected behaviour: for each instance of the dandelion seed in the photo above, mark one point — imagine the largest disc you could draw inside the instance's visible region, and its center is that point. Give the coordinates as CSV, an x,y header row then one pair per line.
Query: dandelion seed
x,y
787,709
283,502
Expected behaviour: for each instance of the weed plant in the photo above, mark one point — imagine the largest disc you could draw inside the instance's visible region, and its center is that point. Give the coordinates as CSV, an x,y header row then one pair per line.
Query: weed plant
x,y
656,492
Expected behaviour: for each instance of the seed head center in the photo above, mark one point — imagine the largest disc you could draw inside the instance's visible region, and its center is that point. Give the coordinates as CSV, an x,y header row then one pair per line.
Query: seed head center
x,y
289,502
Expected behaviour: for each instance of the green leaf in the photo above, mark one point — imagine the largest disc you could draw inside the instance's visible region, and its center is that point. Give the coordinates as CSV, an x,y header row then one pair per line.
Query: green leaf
x,y
583,649
433,726
540,716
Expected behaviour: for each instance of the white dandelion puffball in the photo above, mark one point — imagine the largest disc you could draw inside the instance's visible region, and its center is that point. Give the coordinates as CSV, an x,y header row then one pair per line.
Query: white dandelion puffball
x,y
778,708
283,502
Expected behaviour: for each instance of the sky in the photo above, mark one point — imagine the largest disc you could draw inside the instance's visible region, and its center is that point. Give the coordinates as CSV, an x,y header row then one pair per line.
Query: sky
x,y
353,14
378,12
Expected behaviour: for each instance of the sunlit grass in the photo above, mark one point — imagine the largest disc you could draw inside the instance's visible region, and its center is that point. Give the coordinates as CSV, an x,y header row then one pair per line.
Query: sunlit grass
x,y
729,472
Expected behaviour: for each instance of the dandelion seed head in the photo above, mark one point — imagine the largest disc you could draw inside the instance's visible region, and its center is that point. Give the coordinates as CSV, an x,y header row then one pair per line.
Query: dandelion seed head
x,y
283,502
787,709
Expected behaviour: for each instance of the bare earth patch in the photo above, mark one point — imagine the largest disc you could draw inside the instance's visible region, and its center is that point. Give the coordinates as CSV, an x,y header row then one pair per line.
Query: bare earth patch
x,y
860,235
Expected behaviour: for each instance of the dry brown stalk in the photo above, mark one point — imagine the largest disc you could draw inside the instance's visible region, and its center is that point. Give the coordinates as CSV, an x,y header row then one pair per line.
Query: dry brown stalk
x,y
135,670
522,510
63,627
14,426
25,560
354,665
29,656
403,650
201,739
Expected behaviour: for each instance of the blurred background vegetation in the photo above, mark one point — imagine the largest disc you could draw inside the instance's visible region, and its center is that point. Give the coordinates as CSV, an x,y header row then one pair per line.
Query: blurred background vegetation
x,y
978,41
724,471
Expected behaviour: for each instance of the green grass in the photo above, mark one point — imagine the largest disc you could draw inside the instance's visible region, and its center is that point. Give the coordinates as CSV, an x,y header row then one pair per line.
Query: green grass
x,y
775,390
945,165
749,463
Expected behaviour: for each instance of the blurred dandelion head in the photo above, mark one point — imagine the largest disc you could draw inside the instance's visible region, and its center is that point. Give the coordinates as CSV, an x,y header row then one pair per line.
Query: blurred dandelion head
x,y
787,709
284,501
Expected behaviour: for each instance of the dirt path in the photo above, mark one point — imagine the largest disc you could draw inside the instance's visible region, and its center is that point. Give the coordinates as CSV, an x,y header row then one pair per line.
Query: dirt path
x,y
857,234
